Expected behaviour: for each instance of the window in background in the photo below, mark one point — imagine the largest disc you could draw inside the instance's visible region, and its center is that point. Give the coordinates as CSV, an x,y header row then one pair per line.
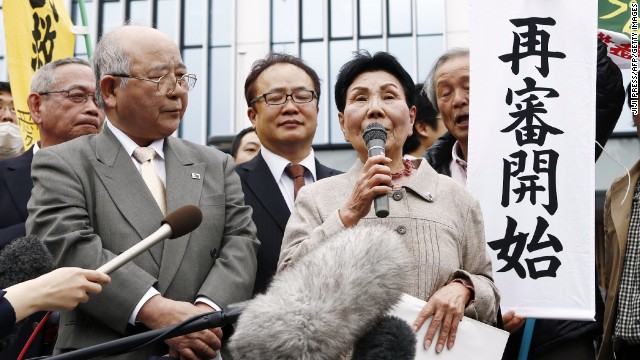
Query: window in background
x,y
110,16
138,12
192,124
166,18
219,84
81,45
380,25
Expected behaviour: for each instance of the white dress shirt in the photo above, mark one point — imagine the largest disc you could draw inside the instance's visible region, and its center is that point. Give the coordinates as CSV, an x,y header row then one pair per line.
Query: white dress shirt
x,y
277,164
458,166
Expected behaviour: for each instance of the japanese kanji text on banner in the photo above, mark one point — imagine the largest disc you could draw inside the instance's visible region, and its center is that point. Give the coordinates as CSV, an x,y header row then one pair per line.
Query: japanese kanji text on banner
x,y
37,32
531,151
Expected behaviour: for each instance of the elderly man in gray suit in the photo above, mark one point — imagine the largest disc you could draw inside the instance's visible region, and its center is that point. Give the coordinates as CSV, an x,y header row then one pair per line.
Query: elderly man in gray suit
x,y
96,196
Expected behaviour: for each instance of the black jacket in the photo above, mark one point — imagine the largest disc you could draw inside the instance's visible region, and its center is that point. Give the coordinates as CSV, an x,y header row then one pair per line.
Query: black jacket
x,y
610,97
270,213
439,154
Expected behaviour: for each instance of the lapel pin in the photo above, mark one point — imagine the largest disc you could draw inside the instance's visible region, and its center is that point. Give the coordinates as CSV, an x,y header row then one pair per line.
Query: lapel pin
x,y
195,176
429,197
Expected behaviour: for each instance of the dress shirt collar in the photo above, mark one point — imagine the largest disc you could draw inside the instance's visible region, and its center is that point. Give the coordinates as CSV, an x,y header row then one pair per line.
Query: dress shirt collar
x,y
130,145
277,163
458,166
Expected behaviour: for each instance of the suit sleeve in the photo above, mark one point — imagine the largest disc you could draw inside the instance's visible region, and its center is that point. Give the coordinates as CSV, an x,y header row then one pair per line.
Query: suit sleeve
x,y
60,211
232,276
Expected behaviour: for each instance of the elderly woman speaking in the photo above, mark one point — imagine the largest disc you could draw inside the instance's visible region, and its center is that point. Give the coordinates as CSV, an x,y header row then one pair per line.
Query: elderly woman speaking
x,y
440,222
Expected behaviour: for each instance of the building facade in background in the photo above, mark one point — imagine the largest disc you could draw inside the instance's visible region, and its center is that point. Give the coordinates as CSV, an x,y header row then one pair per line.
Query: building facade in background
x,y
220,39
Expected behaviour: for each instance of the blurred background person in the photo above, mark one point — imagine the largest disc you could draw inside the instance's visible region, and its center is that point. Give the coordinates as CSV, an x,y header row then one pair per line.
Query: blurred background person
x,y
11,144
245,145
427,128
440,221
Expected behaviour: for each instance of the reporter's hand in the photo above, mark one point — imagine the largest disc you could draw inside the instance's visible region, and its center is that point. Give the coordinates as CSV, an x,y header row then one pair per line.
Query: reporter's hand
x,y
512,322
447,308
62,290
161,312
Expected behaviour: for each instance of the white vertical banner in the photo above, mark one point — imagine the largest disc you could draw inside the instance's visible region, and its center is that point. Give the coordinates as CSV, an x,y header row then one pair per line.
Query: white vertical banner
x,y
531,150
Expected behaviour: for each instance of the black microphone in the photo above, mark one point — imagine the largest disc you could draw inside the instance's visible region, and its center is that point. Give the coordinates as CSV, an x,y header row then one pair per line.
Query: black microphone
x,y
23,259
375,136
319,306
228,315
181,221
390,338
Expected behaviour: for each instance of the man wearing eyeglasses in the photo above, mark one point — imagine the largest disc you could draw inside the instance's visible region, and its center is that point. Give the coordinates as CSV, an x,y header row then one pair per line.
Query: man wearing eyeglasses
x,y
96,197
62,104
59,119
282,93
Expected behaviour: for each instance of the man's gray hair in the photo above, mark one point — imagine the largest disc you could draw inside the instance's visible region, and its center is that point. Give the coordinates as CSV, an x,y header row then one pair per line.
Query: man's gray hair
x,y
109,58
430,88
45,78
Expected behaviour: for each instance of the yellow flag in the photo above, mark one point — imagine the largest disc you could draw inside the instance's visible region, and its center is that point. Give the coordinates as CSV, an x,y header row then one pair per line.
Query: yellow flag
x,y
37,32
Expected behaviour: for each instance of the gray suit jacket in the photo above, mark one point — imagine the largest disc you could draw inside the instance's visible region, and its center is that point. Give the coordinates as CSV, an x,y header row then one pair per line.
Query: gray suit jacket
x,y
89,203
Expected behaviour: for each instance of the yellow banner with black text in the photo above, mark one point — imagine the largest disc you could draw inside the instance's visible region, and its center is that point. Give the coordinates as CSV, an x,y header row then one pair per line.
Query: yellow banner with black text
x,y
37,32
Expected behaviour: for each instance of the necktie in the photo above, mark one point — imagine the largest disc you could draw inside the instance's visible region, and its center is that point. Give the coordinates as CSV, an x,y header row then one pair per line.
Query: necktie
x,y
145,156
296,171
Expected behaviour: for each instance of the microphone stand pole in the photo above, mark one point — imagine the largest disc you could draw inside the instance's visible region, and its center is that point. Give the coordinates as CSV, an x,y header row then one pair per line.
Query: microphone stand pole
x,y
124,345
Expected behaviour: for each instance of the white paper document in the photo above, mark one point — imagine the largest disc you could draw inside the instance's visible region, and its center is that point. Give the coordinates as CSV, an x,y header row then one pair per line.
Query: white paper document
x,y
475,340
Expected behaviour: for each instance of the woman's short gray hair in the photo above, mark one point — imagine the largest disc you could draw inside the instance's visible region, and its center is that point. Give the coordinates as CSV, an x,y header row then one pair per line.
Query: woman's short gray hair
x,y
45,78
109,58
430,88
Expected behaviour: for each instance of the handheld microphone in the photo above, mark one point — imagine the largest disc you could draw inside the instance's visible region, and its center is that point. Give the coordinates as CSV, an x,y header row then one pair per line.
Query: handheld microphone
x,y
179,222
390,338
375,136
319,306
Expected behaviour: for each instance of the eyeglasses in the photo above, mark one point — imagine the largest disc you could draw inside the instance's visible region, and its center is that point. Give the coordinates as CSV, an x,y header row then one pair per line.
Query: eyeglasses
x,y
75,95
279,98
167,83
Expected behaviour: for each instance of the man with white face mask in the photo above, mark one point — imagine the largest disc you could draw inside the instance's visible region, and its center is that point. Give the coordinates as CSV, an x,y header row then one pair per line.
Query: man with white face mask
x,y
10,138
62,104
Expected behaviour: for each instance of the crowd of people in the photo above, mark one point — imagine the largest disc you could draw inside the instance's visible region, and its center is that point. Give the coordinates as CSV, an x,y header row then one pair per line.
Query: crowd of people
x,y
106,171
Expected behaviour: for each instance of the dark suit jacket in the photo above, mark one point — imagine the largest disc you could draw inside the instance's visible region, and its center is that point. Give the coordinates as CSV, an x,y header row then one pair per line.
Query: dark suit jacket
x,y
15,191
270,213
90,203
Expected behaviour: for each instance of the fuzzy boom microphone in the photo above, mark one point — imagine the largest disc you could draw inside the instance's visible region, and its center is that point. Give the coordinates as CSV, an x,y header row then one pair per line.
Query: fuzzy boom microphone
x,y
317,308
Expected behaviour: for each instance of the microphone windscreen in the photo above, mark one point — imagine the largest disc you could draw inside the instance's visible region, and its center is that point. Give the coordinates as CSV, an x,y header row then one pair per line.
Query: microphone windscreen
x,y
374,131
23,259
319,306
183,220
390,338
